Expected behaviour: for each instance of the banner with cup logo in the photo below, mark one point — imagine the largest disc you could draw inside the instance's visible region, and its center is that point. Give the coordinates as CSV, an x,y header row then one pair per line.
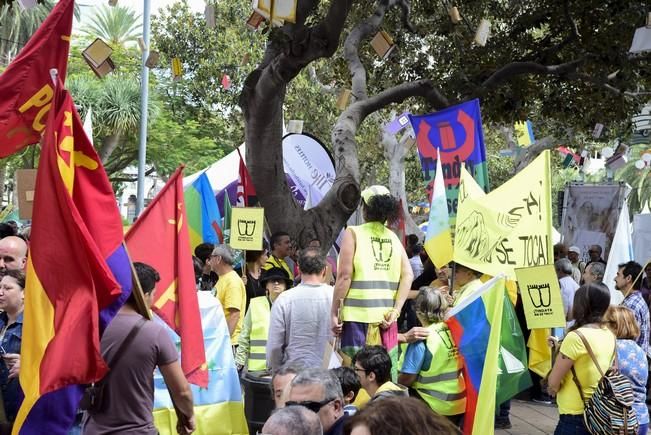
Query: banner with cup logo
x,y
247,227
541,296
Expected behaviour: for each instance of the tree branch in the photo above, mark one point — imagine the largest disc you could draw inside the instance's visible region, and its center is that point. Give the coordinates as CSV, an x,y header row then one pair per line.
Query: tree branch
x,y
361,32
328,89
397,94
602,83
131,179
518,68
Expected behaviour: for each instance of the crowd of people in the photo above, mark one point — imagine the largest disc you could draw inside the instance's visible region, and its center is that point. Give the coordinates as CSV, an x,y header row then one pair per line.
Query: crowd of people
x,y
357,347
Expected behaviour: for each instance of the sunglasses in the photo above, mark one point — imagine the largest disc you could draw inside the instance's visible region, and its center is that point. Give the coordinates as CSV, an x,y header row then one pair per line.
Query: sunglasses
x,y
310,404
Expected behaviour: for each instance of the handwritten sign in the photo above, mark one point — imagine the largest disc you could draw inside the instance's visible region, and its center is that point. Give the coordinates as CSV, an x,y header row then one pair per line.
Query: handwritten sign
x,y
509,227
247,225
541,297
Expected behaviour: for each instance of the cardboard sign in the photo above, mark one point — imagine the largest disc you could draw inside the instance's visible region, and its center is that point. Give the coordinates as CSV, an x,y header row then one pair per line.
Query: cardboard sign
x,y
541,297
25,185
247,227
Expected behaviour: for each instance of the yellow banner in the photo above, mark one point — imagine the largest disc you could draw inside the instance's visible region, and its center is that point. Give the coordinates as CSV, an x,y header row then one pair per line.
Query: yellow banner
x,y
247,226
541,297
510,227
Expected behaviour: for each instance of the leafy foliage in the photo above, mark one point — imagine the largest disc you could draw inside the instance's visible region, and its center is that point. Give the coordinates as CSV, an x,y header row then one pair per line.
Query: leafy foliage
x,y
115,25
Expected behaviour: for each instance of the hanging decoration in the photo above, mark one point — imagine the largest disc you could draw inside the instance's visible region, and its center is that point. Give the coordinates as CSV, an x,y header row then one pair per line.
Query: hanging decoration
x,y
383,44
97,56
483,31
177,68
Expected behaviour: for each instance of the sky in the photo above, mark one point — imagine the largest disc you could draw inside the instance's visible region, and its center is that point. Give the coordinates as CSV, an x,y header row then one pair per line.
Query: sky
x,y
87,7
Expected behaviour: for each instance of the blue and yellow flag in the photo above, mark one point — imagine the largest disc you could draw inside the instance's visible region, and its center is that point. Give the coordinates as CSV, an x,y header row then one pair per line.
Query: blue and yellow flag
x,y
204,219
438,241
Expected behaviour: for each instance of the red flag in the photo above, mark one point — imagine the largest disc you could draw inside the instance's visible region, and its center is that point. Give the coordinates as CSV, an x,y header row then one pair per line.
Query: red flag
x,y
68,278
246,195
26,87
160,238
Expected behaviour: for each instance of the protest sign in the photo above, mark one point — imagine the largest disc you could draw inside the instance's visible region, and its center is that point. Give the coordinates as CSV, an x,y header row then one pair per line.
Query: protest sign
x,y
456,133
509,227
541,297
247,226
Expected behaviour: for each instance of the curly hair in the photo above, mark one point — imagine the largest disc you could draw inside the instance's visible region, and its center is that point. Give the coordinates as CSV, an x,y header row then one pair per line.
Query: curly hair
x,y
380,208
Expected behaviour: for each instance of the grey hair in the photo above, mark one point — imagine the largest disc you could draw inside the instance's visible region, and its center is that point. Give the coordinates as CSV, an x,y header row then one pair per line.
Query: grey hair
x,y
225,252
597,270
563,265
431,304
311,261
293,420
330,382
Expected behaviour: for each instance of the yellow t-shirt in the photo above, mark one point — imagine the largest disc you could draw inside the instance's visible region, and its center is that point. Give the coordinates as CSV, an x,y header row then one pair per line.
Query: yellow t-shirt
x,y
232,294
602,342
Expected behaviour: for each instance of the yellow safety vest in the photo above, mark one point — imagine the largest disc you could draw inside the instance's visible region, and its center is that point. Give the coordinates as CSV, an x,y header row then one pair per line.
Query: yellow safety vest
x,y
442,386
376,274
260,315
279,263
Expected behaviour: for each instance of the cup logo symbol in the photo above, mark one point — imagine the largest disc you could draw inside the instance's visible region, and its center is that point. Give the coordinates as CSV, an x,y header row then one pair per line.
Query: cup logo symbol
x,y
540,295
382,249
446,338
246,228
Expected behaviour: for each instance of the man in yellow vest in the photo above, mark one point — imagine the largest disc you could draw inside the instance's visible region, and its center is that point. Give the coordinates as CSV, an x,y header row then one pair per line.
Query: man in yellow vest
x,y
373,280
255,331
281,246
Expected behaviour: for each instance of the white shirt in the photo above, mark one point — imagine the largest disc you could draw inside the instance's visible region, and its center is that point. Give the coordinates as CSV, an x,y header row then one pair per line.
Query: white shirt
x,y
299,327
568,288
416,265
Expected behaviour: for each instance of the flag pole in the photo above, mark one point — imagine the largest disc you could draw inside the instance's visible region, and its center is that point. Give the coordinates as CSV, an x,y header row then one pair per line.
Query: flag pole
x,y
144,98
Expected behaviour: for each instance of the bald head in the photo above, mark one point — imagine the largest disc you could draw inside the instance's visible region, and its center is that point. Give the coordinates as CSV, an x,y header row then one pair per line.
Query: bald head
x,y
13,253
293,420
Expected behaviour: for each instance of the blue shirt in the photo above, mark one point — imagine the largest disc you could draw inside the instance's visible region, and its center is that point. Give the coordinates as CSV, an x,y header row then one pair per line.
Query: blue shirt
x,y
11,392
416,358
635,301
632,364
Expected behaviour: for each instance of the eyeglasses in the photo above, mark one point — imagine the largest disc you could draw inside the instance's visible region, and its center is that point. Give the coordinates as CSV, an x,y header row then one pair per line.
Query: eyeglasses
x,y
357,369
311,404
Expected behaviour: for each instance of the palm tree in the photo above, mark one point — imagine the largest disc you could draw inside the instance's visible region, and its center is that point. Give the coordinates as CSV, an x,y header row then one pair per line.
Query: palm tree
x,y
115,25
17,26
116,109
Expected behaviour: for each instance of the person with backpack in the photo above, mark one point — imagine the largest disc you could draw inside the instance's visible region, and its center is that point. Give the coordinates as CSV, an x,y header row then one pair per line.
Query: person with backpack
x,y
575,376
631,358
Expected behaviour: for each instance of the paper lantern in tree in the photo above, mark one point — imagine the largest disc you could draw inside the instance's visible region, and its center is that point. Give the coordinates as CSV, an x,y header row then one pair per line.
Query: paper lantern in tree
x,y
152,59
97,56
254,21
226,82
482,32
383,44
342,100
27,4
598,129
295,126
177,68
209,14
276,11
642,38
455,16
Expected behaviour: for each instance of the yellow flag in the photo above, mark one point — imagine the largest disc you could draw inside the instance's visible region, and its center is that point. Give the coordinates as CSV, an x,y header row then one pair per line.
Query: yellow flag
x,y
509,227
541,297
247,225
540,354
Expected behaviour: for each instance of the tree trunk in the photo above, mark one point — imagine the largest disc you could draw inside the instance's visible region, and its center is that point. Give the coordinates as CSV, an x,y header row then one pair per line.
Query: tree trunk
x,y
395,151
109,144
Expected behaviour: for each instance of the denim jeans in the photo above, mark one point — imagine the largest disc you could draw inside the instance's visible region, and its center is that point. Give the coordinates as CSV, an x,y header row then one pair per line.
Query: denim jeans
x,y
570,425
643,429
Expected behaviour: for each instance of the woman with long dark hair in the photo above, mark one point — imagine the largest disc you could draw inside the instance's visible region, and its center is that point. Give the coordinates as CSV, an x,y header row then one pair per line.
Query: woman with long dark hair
x,y
575,376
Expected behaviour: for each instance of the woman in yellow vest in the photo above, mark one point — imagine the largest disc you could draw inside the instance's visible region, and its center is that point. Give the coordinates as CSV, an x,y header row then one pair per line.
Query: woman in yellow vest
x,y
432,367
251,350
373,279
